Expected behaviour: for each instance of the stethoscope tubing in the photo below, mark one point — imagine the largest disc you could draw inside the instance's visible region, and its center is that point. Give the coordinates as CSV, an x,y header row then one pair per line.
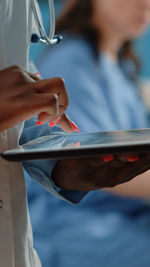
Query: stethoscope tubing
x,y
44,39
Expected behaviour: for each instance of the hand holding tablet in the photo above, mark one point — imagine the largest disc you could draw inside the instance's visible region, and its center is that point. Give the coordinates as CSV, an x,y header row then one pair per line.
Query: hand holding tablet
x,y
81,164
93,173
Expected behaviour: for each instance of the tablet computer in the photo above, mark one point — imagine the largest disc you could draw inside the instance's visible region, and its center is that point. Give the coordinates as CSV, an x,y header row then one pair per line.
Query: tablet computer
x,y
64,145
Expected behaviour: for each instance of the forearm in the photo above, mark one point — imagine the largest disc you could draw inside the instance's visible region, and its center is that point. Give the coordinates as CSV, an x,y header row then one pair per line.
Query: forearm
x,y
138,187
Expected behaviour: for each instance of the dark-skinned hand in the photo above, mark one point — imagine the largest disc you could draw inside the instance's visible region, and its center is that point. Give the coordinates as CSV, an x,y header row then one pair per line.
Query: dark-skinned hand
x,y
87,174
24,95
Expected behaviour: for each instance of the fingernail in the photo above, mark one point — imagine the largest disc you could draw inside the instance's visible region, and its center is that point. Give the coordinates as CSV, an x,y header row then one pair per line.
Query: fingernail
x,y
108,158
78,144
38,123
132,158
53,123
37,73
75,126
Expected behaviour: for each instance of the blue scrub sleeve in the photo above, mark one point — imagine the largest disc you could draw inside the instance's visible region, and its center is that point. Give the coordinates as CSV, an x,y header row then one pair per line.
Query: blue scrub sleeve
x,y
41,170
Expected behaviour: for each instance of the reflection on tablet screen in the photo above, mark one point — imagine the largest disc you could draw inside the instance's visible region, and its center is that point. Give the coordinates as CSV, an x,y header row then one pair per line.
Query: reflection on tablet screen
x,y
87,140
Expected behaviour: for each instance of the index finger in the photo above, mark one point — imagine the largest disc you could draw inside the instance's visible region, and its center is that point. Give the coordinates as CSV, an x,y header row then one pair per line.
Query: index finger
x,y
66,124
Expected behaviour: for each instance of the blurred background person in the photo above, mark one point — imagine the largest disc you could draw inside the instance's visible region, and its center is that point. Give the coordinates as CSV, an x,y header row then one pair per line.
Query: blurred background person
x,y
101,73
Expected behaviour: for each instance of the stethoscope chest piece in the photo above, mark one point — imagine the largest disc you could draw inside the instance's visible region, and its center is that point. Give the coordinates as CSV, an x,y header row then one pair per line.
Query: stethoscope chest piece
x,y
42,37
36,39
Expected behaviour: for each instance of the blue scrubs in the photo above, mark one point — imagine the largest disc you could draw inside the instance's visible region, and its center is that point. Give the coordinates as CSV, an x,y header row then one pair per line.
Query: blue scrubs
x,y
104,229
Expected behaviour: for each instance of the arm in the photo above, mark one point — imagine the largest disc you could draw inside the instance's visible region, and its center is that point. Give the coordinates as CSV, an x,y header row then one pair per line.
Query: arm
x,y
139,187
41,171
81,174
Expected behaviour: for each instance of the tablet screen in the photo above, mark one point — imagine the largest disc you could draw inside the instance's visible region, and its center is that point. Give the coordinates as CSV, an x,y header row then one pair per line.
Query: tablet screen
x,y
69,145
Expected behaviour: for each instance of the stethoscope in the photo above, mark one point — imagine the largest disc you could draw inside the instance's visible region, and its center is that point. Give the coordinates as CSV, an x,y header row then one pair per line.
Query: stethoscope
x,y
42,37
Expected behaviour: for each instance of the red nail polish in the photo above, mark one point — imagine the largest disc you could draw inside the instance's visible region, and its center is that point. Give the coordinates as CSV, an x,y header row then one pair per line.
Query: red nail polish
x,y
78,144
37,73
53,123
75,126
132,158
108,158
38,123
